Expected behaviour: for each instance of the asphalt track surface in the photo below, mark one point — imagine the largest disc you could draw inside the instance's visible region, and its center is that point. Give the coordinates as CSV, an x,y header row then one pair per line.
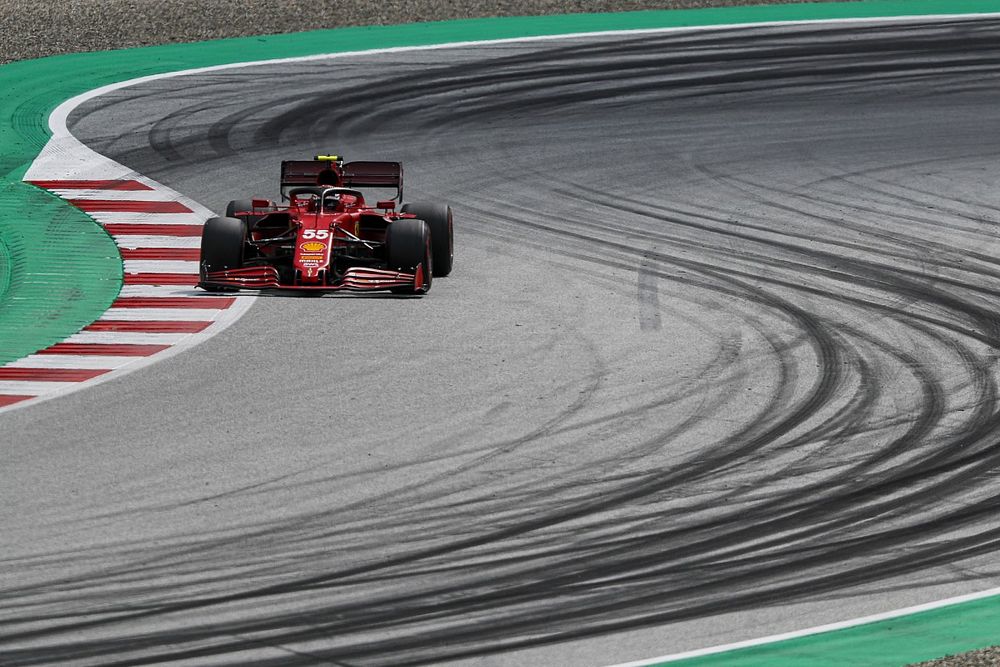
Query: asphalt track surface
x,y
717,360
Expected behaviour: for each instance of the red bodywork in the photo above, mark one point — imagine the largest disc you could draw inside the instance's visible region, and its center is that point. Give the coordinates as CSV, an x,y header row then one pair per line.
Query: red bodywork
x,y
327,237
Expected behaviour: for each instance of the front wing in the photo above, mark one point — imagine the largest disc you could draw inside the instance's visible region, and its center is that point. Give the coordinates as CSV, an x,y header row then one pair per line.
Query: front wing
x,y
357,279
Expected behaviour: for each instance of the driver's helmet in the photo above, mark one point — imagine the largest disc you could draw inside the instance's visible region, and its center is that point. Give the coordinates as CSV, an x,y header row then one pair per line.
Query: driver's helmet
x,y
328,176
339,201
331,201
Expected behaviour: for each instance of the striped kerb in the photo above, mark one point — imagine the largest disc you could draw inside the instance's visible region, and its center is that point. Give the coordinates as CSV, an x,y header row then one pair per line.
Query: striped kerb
x,y
145,243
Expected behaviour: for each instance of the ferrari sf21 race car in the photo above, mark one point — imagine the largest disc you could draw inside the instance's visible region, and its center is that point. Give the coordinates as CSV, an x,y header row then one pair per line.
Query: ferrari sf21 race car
x,y
326,236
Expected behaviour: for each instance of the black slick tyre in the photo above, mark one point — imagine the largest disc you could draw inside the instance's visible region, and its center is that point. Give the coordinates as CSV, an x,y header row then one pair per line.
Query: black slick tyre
x,y
222,242
439,218
408,246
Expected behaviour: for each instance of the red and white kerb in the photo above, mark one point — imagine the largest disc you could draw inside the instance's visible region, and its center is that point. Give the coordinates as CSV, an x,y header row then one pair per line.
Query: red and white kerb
x,y
158,233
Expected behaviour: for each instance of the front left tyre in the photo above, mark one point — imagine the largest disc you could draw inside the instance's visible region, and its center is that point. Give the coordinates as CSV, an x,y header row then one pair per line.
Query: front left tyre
x,y
222,244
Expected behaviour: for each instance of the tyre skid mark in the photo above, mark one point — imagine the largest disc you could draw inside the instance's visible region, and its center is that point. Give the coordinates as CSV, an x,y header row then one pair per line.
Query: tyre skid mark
x,y
952,471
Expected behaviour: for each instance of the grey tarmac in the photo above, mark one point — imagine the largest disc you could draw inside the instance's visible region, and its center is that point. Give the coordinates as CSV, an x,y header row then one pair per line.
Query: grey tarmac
x,y
717,361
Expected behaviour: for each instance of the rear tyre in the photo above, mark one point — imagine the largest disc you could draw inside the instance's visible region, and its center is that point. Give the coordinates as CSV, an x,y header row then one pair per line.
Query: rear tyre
x,y
408,246
439,218
222,243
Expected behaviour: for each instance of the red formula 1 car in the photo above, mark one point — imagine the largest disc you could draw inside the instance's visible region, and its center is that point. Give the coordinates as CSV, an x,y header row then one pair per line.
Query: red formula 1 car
x,y
327,237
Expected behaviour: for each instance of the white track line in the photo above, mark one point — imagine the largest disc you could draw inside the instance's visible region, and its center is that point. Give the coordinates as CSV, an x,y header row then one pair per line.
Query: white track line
x,y
112,195
136,241
123,217
71,361
127,338
30,388
819,629
162,291
160,314
161,266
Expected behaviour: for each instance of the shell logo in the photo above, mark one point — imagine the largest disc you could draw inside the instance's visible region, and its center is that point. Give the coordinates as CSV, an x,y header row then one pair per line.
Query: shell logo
x,y
313,246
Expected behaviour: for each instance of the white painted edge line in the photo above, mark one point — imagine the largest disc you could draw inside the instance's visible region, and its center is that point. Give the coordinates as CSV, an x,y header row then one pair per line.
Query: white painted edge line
x,y
37,388
75,361
161,266
110,195
123,218
160,314
159,290
820,629
115,337
64,145
136,241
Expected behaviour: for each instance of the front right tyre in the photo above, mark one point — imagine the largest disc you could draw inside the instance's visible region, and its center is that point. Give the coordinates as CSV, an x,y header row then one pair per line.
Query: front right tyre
x,y
439,218
245,206
408,246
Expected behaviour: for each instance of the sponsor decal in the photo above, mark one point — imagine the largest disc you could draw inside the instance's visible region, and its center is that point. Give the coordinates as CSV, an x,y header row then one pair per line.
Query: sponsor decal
x,y
314,246
311,258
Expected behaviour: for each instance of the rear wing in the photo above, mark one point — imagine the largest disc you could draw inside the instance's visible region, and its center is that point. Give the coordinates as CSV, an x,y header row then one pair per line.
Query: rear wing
x,y
359,174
